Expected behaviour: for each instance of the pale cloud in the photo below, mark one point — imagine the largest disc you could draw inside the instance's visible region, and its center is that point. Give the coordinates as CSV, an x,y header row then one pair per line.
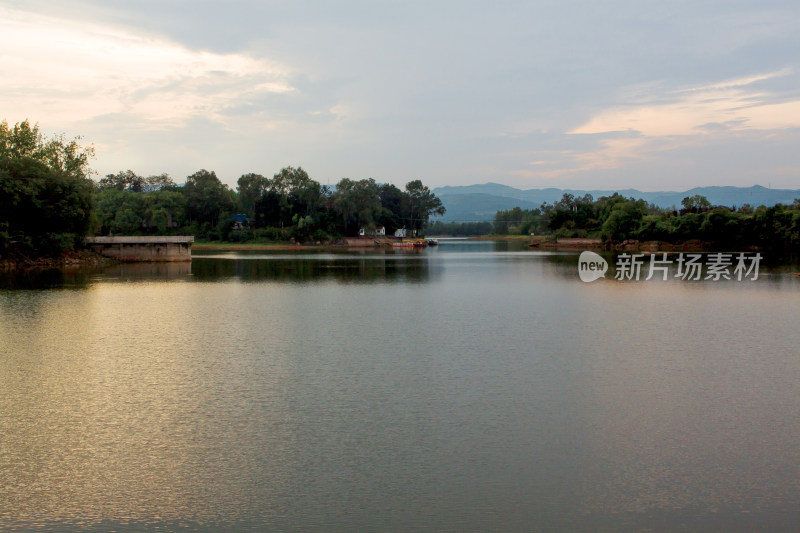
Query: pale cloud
x,y
655,124
75,72
686,111
609,154
614,153
611,94
738,82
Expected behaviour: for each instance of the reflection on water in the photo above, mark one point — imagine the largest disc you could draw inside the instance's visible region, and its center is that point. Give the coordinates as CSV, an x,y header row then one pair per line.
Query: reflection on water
x,y
318,267
83,277
472,387
352,266
46,278
176,271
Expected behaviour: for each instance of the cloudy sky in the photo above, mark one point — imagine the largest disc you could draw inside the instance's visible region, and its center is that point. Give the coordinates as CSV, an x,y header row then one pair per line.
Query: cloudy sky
x,y
655,95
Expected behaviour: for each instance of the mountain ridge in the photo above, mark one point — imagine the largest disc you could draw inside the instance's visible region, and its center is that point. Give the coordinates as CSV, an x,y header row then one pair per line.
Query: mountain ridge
x,y
479,202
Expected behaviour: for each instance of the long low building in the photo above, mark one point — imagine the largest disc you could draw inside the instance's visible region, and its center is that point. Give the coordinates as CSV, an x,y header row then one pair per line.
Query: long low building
x,y
143,248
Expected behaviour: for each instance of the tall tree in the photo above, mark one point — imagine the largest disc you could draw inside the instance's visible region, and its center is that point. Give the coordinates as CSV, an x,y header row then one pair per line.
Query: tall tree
x,y
696,204
66,156
125,180
159,182
207,198
357,203
395,205
300,195
250,187
422,204
45,194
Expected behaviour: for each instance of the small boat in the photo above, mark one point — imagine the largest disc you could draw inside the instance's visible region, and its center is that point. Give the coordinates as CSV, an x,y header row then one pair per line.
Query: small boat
x,y
433,242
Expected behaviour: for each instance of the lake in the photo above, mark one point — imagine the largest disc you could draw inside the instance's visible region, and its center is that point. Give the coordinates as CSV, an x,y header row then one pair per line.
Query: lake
x,y
470,387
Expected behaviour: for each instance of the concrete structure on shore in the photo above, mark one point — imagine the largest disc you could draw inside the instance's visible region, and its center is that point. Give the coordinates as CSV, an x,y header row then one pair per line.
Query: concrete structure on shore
x,y
143,249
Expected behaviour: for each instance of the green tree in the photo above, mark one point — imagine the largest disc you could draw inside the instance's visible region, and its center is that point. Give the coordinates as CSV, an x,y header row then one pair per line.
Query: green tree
x,y
623,221
45,194
394,204
163,211
68,157
357,203
250,187
207,200
300,194
126,221
422,204
128,180
267,210
159,182
125,180
696,204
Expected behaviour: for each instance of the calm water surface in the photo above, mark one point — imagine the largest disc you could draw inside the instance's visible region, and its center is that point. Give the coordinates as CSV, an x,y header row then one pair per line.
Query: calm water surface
x,y
472,387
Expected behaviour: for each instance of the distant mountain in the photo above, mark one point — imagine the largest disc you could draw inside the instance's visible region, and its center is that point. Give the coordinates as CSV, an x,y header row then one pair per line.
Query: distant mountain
x,y
481,202
478,206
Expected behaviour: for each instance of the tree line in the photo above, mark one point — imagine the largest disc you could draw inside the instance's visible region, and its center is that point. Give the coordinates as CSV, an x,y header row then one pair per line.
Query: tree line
x,y
48,203
288,206
615,219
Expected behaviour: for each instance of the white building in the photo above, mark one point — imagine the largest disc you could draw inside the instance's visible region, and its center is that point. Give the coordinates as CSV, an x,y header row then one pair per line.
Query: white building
x,y
381,231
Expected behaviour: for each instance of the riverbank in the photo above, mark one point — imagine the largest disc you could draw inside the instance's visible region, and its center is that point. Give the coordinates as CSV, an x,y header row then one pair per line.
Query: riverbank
x,y
66,260
343,242
87,258
630,245
542,242
229,246
492,237
535,242
572,244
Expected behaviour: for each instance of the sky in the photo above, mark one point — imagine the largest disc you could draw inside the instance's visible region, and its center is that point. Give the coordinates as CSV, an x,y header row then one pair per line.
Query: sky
x,y
653,95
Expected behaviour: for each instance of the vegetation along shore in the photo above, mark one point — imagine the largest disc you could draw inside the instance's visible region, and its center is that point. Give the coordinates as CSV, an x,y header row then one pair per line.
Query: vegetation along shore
x,y
49,204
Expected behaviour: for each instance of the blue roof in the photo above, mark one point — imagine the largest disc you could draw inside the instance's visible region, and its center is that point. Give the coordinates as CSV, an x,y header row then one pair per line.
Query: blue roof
x,y
239,218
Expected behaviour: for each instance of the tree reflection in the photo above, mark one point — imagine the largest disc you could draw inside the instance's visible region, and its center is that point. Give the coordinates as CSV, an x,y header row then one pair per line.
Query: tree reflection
x,y
341,269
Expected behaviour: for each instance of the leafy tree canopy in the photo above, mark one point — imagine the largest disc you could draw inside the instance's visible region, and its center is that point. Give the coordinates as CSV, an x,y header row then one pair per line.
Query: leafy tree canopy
x,y
422,204
45,194
57,153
